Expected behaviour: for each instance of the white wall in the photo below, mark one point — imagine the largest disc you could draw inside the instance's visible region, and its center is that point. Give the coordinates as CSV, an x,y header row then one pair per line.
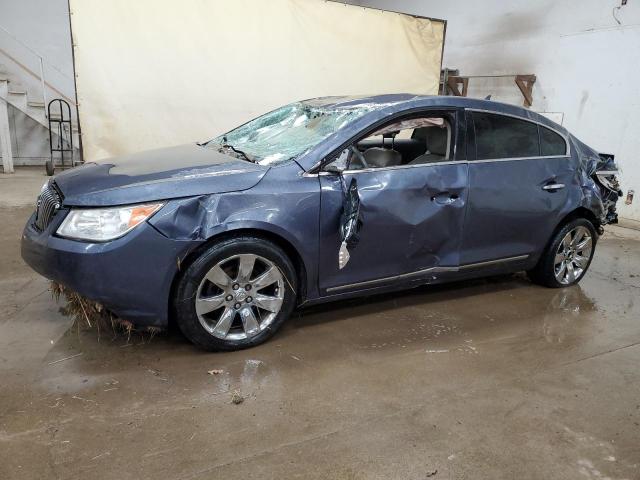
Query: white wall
x,y
587,65
191,70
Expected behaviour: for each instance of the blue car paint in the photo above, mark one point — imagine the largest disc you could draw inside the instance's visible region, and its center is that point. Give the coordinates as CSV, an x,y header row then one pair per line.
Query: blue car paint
x,y
406,228
285,204
182,171
397,209
420,211
131,275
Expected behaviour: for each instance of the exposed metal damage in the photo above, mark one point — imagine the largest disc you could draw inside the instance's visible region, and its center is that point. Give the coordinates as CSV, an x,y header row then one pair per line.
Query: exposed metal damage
x,y
600,186
350,223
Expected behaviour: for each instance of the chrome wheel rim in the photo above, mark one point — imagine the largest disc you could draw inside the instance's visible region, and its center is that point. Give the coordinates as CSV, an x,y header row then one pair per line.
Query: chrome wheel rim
x,y
240,297
573,255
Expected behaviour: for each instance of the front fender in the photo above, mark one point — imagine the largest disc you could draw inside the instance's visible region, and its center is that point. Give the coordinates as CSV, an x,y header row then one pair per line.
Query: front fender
x,y
291,215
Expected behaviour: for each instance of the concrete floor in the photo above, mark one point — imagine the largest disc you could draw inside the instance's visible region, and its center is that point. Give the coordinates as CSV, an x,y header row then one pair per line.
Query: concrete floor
x,y
491,379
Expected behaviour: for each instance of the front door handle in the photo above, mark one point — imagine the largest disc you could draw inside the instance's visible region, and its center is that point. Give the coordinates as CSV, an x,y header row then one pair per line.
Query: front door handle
x,y
445,198
552,187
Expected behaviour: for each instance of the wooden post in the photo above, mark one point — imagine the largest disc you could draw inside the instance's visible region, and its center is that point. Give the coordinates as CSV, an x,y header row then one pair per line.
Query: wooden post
x,y
525,84
5,136
453,82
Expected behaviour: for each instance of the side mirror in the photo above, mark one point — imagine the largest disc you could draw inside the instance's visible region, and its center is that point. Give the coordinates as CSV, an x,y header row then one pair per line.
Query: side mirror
x,y
334,168
339,164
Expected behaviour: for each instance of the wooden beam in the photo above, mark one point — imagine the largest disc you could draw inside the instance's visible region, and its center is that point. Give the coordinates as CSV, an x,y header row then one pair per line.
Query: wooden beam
x,y
453,83
525,84
5,136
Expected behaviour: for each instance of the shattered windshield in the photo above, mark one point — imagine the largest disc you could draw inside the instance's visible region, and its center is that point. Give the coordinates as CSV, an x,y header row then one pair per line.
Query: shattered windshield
x,y
287,132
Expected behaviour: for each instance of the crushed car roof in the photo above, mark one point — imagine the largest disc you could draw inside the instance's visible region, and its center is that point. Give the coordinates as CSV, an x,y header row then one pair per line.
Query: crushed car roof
x,y
401,101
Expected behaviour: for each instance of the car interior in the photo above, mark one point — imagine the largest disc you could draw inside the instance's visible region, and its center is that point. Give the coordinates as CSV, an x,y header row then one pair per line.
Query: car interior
x,y
406,142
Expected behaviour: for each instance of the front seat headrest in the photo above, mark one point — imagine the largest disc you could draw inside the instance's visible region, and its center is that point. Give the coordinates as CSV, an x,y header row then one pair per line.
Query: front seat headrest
x,y
382,157
436,138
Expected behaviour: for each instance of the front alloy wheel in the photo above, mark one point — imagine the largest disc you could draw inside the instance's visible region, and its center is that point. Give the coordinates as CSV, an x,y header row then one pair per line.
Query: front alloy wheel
x,y
240,296
235,294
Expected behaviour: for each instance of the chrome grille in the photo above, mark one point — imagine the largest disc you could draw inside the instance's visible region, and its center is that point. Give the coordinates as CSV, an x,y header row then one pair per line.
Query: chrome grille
x,y
48,203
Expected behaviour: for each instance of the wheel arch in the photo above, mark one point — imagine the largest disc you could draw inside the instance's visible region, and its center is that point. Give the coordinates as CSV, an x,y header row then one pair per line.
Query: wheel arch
x,y
537,273
579,212
255,231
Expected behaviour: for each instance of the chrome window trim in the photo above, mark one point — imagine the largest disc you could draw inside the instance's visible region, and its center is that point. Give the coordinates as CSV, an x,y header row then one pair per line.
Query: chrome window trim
x,y
564,137
401,167
418,273
382,169
492,160
431,164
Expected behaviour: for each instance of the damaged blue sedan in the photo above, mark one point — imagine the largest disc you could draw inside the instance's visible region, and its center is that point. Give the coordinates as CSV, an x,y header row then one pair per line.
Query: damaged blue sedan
x,y
322,200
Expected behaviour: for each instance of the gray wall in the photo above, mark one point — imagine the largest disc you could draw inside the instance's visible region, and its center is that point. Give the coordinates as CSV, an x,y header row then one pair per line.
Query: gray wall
x,y
43,26
586,63
585,59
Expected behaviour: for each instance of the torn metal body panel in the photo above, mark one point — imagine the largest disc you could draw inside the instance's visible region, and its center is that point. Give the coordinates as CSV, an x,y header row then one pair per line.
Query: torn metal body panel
x,y
598,180
433,205
350,222
397,209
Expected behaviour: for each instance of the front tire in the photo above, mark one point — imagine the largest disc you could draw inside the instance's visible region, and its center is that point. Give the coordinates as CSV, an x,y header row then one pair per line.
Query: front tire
x,y
568,256
236,294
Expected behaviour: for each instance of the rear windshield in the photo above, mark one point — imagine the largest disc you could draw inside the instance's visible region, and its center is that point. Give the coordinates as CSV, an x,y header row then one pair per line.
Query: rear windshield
x,y
287,132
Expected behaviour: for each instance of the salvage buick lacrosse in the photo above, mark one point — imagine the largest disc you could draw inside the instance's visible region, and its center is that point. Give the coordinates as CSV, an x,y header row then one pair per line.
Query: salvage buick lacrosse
x,y
322,200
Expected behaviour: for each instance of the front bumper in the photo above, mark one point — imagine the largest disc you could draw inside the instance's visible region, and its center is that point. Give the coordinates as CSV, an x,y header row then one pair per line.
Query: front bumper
x,y
131,276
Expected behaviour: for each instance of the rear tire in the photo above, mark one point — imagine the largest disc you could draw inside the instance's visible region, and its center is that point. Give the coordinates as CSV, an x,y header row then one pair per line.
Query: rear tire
x,y
236,294
568,255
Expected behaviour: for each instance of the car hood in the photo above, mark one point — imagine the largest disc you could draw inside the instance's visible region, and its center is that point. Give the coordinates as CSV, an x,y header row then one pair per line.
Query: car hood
x,y
181,171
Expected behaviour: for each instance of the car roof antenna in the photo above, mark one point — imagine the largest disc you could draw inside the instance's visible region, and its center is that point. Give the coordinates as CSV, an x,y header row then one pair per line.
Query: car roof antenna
x,y
488,97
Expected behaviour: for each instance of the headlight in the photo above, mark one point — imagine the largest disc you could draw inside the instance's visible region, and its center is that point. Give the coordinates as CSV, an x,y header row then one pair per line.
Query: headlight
x,y
103,224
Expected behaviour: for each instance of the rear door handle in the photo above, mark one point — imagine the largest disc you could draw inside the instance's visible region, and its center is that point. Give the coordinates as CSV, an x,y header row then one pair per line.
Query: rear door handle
x,y
553,186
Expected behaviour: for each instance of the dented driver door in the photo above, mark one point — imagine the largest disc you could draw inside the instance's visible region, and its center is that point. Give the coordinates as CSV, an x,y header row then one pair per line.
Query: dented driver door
x,y
410,231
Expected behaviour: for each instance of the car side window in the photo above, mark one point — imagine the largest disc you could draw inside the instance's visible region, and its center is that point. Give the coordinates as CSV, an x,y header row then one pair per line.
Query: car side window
x,y
406,142
551,144
500,136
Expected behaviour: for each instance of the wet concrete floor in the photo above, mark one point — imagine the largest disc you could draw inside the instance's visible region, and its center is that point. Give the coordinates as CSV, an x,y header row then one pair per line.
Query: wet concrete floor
x,y
488,379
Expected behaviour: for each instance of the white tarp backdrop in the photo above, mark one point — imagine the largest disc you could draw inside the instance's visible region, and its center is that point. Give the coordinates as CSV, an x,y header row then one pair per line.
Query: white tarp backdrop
x,y
154,73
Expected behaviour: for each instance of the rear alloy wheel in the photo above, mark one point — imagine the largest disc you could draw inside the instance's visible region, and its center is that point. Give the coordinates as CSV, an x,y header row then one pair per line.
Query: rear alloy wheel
x,y
573,255
568,256
236,294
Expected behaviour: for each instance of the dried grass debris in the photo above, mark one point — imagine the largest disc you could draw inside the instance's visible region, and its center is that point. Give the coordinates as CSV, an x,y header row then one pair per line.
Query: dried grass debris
x,y
89,314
